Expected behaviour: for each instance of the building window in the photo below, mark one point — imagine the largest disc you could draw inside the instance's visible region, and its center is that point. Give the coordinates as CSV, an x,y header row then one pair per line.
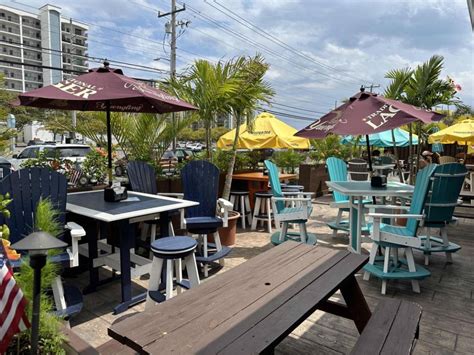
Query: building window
x,y
11,52
4,50
37,23
9,29
9,18
3,26
12,85
2,14
12,75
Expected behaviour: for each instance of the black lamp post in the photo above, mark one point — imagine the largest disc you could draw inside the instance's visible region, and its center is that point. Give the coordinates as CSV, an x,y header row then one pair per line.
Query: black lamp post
x,y
37,245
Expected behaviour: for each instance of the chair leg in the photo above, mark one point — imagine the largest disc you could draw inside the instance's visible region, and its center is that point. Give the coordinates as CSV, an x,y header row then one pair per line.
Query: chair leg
x,y
303,233
191,269
178,269
339,217
58,294
242,211
284,230
373,254
269,215
427,246
256,211
217,241
386,262
169,279
154,282
206,254
171,228
248,211
444,235
415,285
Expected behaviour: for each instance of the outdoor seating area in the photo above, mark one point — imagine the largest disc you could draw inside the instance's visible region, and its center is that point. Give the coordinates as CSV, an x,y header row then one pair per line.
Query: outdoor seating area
x,y
192,215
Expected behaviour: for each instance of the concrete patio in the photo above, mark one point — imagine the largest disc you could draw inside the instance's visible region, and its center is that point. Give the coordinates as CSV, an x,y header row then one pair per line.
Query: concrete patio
x,y
447,323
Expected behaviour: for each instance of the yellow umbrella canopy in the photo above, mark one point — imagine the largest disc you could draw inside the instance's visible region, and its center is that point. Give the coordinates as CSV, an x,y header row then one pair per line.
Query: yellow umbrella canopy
x,y
461,133
268,132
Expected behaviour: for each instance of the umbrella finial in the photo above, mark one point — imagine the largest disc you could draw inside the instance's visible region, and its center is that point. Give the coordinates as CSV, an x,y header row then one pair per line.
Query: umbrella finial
x,y
106,63
362,88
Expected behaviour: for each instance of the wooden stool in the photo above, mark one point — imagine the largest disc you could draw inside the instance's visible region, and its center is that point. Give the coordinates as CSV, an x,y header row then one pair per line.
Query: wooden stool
x,y
171,249
262,210
241,202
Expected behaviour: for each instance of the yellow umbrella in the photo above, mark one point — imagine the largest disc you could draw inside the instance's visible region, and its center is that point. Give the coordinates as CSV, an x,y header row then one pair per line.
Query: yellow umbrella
x,y
461,133
268,132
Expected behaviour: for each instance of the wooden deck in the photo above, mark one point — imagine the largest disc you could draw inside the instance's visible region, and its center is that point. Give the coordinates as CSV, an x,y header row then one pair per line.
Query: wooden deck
x,y
447,323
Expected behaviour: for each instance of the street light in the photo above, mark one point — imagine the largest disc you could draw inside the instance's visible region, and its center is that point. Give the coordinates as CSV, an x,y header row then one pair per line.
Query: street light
x,y
37,245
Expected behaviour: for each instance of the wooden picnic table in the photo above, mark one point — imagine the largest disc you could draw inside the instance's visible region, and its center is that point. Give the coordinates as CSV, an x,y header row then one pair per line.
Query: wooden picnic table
x,y
252,307
257,181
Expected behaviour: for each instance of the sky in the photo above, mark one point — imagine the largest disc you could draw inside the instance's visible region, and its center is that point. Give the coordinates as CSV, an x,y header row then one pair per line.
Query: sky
x,y
320,52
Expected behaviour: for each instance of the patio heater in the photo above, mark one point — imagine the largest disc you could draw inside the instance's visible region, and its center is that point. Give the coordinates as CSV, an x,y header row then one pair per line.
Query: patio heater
x,y
37,245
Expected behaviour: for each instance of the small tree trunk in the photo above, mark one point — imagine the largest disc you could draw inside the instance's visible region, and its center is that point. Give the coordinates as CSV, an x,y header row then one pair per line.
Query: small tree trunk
x,y
410,153
230,168
418,148
208,139
395,152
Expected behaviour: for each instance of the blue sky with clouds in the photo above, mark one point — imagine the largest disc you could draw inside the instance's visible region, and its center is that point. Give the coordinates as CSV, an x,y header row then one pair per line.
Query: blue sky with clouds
x,y
320,51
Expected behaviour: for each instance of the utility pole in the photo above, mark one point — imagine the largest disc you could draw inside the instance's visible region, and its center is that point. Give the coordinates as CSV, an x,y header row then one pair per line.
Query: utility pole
x,y
371,87
173,24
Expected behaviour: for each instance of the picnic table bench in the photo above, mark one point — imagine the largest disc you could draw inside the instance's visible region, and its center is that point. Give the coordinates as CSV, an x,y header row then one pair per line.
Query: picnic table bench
x,y
252,307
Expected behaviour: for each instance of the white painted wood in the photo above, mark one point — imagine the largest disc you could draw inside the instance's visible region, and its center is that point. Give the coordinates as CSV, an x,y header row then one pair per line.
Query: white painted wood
x,y
372,256
206,254
242,210
415,285
268,211
191,268
179,274
58,293
248,209
154,282
256,211
169,279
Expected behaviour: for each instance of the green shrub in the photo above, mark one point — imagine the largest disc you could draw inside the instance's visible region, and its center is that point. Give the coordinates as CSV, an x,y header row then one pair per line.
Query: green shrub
x,y
288,160
95,166
330,146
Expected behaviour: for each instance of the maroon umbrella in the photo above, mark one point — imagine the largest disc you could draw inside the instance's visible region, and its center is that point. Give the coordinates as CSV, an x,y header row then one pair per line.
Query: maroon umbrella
x,y
104,89
367,113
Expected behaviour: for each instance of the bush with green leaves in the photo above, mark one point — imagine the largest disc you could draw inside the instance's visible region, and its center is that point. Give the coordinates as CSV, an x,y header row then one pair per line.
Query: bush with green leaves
x,y
288,160
330,146
94,167
51,338
4,202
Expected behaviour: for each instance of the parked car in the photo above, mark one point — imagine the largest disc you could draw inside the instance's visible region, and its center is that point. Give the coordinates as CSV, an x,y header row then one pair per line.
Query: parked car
x,y
74,152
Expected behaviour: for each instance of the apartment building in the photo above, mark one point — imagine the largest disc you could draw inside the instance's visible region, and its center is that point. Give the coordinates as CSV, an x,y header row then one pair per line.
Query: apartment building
x,y
42,44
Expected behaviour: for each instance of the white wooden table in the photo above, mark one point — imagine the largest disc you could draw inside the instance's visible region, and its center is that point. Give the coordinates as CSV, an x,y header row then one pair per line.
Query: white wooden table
x,y
123,214
357,191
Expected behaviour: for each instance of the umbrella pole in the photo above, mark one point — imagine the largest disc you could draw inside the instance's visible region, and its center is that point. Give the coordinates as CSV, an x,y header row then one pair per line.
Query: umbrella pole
x,y
368,152
109,145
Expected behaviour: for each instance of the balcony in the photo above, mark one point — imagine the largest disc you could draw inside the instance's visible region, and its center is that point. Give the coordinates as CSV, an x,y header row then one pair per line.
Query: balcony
x,y
4,30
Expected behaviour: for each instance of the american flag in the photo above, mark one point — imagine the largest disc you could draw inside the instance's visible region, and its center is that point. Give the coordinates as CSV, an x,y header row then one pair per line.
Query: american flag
x,y
75,176
13,317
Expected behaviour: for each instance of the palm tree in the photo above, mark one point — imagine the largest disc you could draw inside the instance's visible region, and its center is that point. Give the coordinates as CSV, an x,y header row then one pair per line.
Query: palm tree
x,y
208,87
252,89
421,87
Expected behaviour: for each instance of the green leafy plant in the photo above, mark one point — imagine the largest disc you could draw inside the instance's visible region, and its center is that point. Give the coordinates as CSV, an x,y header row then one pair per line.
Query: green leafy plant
x,y
330,146
51,338
94,167
4,202
44,159
288,160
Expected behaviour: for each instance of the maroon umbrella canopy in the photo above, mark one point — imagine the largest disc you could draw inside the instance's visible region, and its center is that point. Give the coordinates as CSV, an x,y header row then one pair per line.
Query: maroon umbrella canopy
x,y
101,87
104,89
367,113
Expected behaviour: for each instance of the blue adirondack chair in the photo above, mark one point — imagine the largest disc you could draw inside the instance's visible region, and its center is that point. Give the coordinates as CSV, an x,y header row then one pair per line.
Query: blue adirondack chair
x,y
142,178
391,238
298,211
200,181
448,180
337,169
26,187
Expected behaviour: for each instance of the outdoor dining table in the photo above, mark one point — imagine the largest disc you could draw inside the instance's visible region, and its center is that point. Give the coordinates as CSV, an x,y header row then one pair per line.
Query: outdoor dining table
x,y
357,191
257,181
252,307
122,216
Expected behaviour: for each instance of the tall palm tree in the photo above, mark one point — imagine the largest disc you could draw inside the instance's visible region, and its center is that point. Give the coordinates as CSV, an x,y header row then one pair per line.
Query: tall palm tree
x,y
252,89
210,88
421,87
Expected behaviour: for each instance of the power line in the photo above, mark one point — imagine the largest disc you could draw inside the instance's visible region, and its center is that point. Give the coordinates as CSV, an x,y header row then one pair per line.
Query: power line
x,y
285,114
294,107
276,40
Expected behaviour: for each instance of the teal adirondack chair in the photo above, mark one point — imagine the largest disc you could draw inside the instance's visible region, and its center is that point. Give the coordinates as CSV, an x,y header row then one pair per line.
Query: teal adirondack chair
x,y
298,213
337,169
391,238
448,180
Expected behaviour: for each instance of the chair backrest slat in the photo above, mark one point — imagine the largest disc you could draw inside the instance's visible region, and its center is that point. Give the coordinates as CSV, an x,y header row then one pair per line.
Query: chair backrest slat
x,y
358,169
448,180
200,181
142,177
422,186
275,184
26,187
337,170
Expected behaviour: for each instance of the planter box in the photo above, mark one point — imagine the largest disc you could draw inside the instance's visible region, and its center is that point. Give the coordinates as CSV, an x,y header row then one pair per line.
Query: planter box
x,y
167,185
313,177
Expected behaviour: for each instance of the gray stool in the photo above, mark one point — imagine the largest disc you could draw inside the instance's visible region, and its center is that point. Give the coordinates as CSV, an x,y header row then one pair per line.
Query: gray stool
x,y
262,210
241,202
171,249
